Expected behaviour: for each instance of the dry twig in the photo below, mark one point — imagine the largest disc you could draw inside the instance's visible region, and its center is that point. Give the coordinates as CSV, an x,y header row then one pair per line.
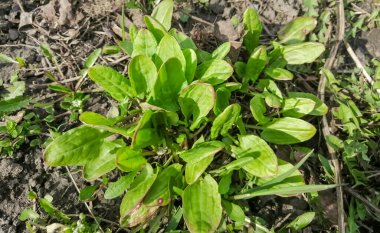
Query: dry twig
x,y
326,129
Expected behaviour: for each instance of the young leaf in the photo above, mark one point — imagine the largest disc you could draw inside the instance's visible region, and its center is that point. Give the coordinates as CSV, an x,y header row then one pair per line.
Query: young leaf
x,y
296,30
163,13
279,74
112,81
301,221
137,192
225,183
28,214
197,100
265,160
194,170
303,53
222,51
117,188
143,75
170,81
191,64
287,130
87,192
169,48
253,28
75,147
235,212
222,100
256,63
129,160
202,209
258,109
126,46
214,71
103,163
297,107
201,151
225,121
91,59
144,44
183,40
320,108
155,28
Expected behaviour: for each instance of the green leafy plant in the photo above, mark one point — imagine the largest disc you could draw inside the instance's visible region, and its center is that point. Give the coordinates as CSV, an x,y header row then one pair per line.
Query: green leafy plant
x,y
180,135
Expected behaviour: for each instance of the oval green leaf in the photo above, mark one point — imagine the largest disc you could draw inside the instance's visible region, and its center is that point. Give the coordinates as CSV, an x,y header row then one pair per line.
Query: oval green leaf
x,y
303,53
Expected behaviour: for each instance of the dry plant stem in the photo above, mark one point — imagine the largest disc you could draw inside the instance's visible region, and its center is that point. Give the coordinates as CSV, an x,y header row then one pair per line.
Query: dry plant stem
x,y
359,64
85,203
326,129
362,199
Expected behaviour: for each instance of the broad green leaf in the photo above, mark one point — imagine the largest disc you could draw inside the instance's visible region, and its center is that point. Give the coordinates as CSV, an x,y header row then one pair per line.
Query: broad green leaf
x,y
126,46
240,68
225,183
155,28
91,59
169,48
92,118
191,64
256,63
14,104
214,71
297,107
258,109
253,28
224,121
222,100
202,209
194,170
143,75
197,100
285,191
287,130
183,40
201,151
301,221
222,51
320,108
203,56
170,81
235,212
28,214
112,81
133,30
98,121
7,59
163,13
129,160
117,188
146,133
303,53
271,92
159,193
75,147
144,44
279,74
296,30
103,163
137,191
264,163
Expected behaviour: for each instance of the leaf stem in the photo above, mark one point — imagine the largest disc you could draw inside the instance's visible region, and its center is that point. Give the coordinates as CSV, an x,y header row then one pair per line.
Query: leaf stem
x,y
254,127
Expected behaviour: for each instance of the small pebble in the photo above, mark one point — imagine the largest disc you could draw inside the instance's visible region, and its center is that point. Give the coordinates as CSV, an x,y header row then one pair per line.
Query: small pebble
x,y
13,34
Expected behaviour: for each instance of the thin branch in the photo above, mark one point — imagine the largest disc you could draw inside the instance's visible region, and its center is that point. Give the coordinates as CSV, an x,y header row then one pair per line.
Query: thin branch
x,y
326,129
85,203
